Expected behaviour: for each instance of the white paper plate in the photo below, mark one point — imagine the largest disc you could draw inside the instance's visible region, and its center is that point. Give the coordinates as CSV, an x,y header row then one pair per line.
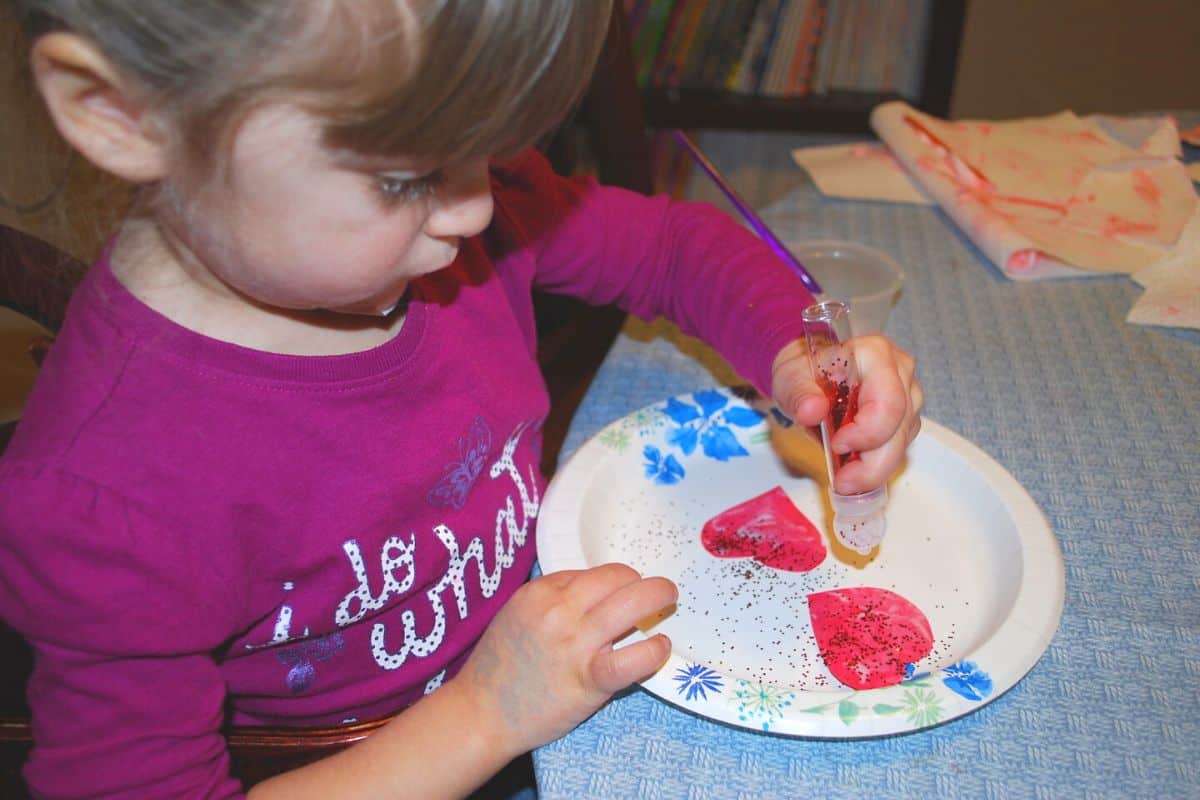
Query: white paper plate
x,y
966,544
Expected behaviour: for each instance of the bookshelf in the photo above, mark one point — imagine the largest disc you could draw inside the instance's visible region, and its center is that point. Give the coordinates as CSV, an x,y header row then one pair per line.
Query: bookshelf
x,y
677,91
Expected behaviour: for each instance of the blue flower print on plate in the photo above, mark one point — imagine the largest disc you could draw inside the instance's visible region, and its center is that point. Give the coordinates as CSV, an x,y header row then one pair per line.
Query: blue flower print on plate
x,y
711,423
696,680
662,469
761,704
968,680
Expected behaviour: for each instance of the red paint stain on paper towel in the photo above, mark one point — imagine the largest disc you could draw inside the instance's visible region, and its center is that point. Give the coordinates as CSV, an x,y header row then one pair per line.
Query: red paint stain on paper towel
x,y
1146,188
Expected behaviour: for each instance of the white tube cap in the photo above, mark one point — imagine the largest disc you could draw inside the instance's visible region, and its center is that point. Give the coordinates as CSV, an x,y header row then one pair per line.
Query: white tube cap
x,y
858,519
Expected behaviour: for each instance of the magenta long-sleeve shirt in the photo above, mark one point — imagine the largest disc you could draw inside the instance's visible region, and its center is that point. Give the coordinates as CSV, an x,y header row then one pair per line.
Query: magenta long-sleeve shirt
x,y
193,532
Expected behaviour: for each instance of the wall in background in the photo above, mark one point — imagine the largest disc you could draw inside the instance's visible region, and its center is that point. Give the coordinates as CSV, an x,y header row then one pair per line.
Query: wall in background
x,y
43,189
1032,57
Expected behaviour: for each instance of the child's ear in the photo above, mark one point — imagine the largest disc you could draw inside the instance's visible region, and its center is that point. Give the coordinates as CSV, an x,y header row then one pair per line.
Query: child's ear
x,y
94,109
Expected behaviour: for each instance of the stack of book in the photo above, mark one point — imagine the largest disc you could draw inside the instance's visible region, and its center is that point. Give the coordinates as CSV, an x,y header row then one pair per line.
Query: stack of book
x,y
780,48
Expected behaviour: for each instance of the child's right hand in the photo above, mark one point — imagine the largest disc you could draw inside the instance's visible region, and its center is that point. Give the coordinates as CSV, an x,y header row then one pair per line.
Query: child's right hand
x,y
546,662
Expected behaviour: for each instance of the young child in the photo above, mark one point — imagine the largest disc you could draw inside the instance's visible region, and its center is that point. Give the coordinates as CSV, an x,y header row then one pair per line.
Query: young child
x,y
280,464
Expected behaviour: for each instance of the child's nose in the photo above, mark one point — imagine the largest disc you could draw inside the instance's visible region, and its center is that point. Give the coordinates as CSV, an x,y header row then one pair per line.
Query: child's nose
x,y
463,205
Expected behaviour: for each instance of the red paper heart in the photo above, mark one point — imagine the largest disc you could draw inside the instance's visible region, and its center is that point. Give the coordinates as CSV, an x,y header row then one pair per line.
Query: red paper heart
x,y
768,528
866,635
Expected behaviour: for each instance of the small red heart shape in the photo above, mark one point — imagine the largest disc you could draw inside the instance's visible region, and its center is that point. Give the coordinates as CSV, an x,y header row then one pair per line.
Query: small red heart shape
x,y
867,635
768,528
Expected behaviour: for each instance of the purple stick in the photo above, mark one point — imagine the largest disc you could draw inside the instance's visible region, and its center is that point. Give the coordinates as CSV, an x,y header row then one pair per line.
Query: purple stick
x,y
748,214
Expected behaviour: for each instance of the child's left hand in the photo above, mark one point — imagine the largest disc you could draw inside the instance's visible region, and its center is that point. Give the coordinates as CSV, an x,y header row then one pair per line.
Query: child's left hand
x,y
889,407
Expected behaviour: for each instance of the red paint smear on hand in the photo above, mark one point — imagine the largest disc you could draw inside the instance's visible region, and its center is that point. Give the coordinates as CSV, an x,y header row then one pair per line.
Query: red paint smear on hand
x,y
866,635
768,528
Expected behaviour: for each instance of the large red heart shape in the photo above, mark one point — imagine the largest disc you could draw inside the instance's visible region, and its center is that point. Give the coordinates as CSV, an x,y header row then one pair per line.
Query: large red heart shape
x,y
866,635
768,528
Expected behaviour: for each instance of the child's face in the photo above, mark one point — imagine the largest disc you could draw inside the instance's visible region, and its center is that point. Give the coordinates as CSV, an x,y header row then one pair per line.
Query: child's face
x,y
300,226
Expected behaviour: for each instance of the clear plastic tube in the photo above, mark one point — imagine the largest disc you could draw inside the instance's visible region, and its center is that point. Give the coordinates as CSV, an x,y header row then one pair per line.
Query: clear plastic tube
x,y
858,519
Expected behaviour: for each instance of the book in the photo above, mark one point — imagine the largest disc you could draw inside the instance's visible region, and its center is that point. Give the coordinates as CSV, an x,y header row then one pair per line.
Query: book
x,y
736,30
756,43
756,32
761,62
669,42
681,42
647,37
704,44
799,78
723,39
894,44
827,48
916,45
793,31
781,48
635,11
845,66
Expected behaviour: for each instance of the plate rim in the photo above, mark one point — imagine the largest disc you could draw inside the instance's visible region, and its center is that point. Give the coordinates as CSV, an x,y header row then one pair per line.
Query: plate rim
x,y
1040,598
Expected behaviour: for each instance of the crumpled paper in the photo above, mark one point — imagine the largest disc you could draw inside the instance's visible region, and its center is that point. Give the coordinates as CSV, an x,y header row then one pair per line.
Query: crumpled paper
x,y
1049,196
1172,296
862,171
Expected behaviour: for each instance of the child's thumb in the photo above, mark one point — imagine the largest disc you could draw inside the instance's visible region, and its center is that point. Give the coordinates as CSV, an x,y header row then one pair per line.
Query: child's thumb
x,y
794,390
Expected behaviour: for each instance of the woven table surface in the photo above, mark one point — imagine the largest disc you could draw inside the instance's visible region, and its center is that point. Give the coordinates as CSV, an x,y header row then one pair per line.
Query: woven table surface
x,y
1098,419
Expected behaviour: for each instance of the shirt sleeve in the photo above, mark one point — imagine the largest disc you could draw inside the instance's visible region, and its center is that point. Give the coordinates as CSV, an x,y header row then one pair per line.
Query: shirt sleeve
x,y
689,262
127,698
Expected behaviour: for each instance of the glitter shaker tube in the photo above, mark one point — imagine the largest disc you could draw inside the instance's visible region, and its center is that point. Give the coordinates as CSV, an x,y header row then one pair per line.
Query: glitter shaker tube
x,y
858,519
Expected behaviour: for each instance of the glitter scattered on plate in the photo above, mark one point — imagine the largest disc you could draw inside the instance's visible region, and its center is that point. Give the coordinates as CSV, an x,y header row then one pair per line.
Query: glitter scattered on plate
x,y
966,545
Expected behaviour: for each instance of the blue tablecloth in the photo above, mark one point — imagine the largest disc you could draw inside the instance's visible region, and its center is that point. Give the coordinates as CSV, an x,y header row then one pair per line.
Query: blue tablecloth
x,y
1100,421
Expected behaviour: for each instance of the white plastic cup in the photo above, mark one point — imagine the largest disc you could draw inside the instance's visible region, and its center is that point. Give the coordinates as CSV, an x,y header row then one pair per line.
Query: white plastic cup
x,y
867,278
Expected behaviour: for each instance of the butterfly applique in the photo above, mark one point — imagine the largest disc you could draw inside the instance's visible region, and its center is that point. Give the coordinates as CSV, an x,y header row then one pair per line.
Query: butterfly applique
x,y
300,658
461,474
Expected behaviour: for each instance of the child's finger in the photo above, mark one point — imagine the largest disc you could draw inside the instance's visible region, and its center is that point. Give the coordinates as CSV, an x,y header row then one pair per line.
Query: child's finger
x,y
886,400
883,406
588,587
621,611
874,467
613,670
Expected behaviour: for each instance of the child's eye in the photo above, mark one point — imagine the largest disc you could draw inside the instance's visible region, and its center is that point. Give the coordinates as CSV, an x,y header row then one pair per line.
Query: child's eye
x,y
394,189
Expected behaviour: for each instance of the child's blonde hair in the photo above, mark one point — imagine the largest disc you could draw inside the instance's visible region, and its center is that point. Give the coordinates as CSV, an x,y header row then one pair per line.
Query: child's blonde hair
x,y
441,80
